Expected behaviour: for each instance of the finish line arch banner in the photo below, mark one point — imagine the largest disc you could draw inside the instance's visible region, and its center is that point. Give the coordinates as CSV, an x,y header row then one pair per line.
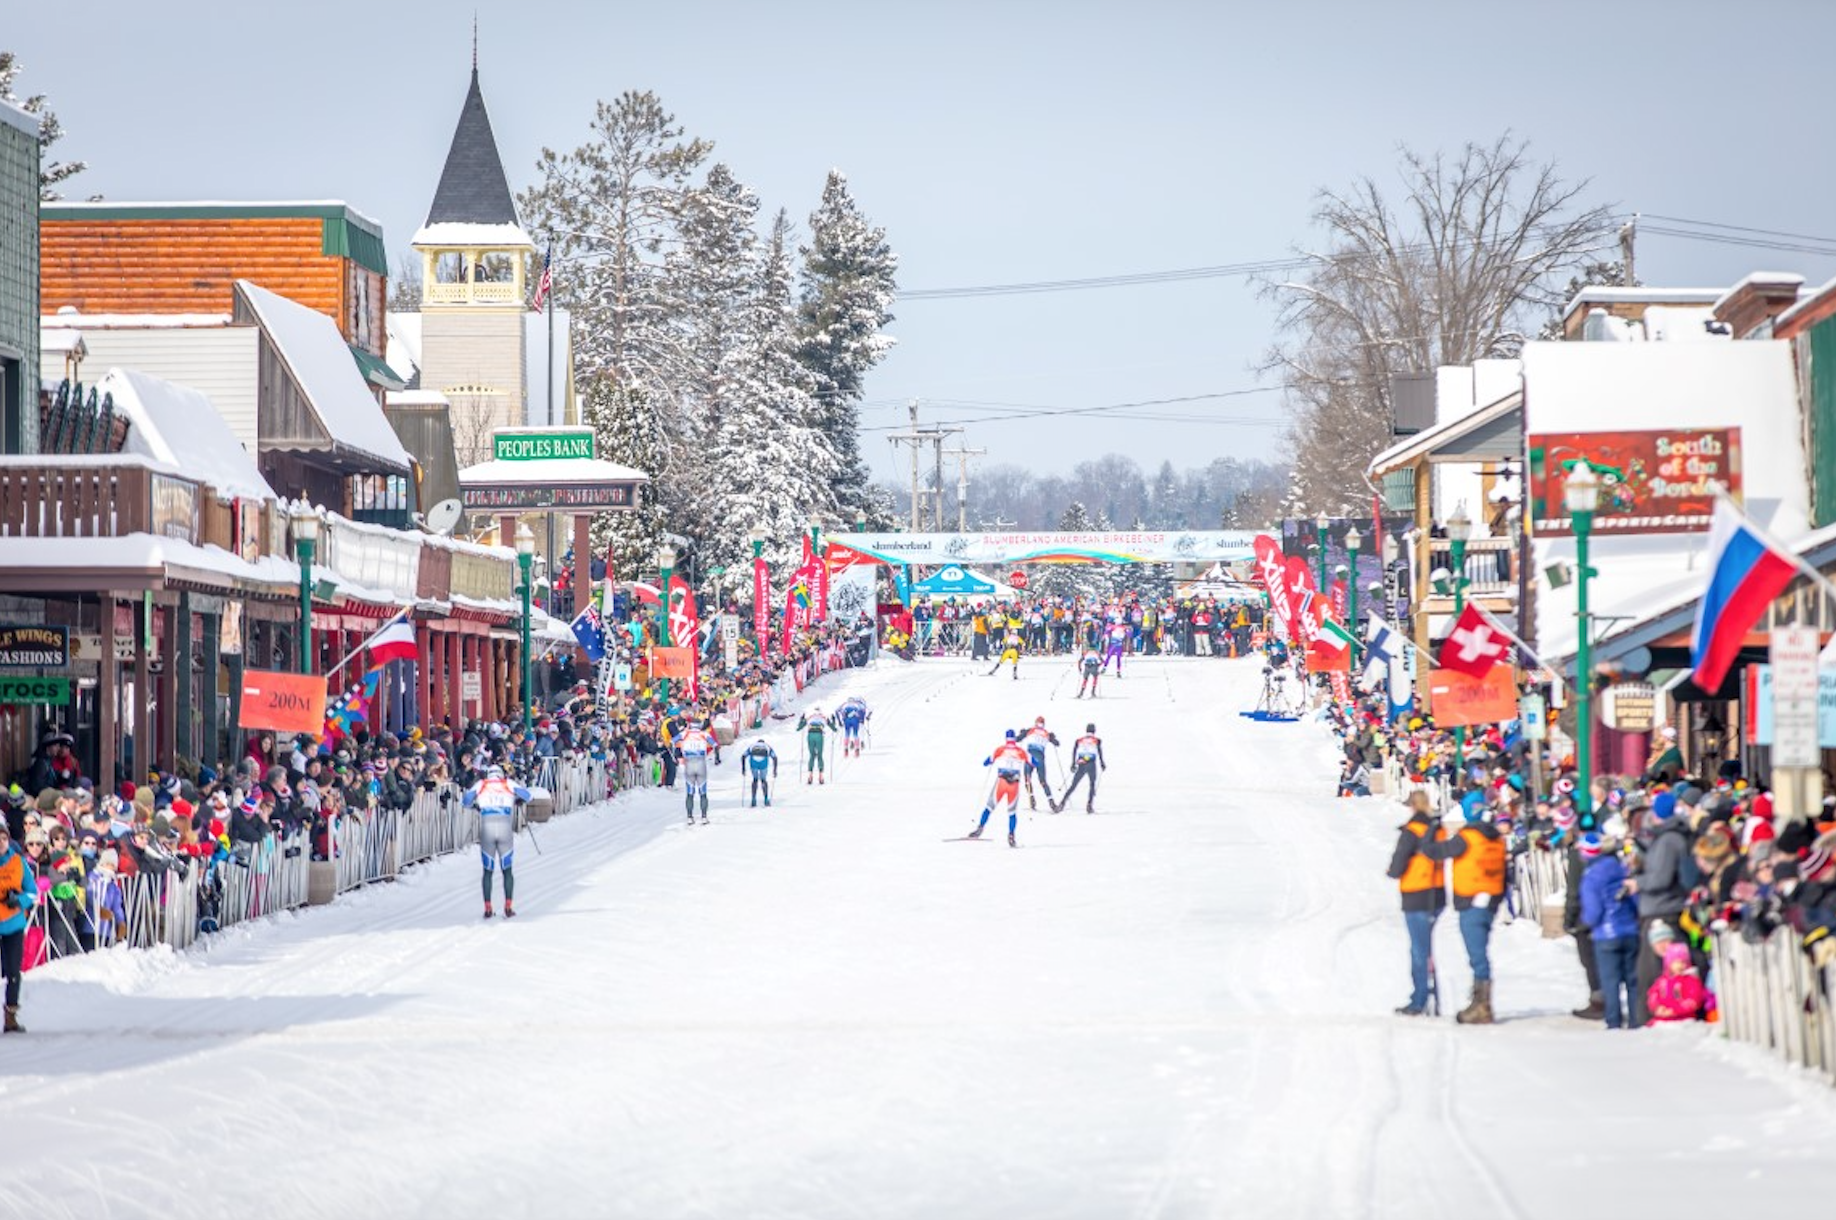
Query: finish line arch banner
x,y
1136,546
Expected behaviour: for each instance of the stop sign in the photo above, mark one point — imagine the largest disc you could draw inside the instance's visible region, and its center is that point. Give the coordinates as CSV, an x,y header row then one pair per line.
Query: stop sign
x,y
1017,579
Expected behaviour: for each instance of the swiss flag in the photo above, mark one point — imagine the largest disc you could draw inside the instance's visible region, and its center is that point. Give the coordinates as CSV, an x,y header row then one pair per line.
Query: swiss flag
x,y
1474,645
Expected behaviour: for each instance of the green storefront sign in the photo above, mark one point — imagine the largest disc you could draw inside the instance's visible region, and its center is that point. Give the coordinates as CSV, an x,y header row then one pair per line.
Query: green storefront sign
x,y
34,690
541,446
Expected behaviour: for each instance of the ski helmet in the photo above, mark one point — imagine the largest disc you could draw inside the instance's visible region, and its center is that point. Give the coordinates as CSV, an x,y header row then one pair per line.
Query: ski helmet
x,y
1010,734
1039,720
1090,728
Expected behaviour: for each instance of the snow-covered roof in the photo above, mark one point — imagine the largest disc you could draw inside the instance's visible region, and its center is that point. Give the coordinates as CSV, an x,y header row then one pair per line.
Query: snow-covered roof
x,y
69,317
321,364
1809,300
227,205
403,351
549,471
1771,279
415,398
143,554
178,425
54,340
13,116
1428,440
470,235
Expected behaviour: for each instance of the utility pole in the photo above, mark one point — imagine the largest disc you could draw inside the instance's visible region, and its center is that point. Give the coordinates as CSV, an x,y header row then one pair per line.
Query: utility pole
x,y
916,437
962,454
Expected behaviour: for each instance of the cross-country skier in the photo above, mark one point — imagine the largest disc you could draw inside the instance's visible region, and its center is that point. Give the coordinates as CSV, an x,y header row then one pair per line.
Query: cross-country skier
x,y
1036,739
1010,762
1086,760
816,728
1116,637
853,714
495,798
693,748
758,756
1090,665
1010,653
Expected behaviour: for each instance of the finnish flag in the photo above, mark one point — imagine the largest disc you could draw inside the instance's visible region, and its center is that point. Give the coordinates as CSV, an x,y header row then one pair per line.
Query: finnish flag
x,y
1380,648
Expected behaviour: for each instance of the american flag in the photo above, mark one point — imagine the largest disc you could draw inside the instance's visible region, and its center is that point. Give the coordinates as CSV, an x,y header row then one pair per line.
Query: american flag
x,y
547,281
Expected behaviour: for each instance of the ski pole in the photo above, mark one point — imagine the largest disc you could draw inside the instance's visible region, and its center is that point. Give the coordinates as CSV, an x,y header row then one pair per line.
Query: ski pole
x,y
530,827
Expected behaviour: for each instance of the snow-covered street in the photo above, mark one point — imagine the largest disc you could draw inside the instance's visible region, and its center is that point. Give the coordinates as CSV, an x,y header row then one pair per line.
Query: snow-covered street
x,y
1179,1007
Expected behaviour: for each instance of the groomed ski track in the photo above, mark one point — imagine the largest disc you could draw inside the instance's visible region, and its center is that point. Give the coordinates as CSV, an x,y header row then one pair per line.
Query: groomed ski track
x,y
1177,1008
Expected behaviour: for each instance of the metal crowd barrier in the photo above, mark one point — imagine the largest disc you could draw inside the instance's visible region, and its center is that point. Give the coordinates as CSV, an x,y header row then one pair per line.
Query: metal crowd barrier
x,y
365,848
1770,995
1538,875
272,878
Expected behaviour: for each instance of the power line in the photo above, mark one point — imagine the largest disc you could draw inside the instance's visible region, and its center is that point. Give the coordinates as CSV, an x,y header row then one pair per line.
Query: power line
x,y
1763,239
1014,414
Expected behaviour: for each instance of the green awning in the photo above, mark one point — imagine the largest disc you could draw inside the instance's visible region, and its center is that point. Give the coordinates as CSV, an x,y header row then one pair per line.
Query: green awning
x,y
343,237
376,371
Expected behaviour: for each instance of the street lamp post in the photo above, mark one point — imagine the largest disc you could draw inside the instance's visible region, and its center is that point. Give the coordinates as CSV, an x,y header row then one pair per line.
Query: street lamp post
x,y
1581,492
1319,536
860,521
525,559
1459,529
1352,539
666,564
305,541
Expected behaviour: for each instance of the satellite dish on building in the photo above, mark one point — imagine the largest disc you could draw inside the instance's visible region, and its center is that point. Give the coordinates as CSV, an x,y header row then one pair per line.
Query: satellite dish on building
x,y
442,517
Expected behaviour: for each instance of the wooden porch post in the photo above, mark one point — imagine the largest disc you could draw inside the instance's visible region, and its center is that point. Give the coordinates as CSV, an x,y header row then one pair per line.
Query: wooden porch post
x,y
108,694
210,729
145,748
184,742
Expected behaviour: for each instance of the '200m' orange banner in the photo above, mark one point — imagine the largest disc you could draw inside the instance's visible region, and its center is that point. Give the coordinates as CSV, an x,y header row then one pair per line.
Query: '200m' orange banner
x,y
286,703
672,663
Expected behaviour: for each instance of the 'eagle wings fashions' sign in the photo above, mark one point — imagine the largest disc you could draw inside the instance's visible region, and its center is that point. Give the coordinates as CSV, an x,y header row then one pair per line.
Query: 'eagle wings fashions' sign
x,y
30,646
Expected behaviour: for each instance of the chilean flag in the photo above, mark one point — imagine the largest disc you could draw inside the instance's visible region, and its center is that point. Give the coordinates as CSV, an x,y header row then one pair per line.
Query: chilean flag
x,y
1746,571
395,642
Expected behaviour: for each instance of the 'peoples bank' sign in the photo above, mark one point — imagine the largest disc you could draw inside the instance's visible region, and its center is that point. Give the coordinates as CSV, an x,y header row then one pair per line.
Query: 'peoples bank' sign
x,y
542,446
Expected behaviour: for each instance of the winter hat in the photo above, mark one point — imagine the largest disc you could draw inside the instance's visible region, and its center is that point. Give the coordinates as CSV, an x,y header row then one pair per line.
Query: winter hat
x,y
1762,806
1565,817
47,800
1660,934
1589,845
1715,845
1676,954
1687,794
143,798
1472,806
1664,804
183,808
250,807
109,859
1614,827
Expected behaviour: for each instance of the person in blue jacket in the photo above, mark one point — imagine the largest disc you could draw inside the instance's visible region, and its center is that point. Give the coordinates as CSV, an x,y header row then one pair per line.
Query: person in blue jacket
x,y
18,895
1611,914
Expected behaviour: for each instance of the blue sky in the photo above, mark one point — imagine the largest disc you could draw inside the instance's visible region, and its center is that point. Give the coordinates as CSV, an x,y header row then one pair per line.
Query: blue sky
x,y
996,142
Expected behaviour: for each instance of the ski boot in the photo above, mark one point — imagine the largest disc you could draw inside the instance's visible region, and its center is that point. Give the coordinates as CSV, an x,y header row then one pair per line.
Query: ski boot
x,y
1055,806
974,834
1089,808
1032,802
509,909
12,1021
704,819
1010,840
489,911
822,777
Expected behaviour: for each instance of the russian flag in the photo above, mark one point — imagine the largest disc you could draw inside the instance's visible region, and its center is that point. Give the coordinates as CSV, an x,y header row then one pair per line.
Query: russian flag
x,y
1746,571
395,642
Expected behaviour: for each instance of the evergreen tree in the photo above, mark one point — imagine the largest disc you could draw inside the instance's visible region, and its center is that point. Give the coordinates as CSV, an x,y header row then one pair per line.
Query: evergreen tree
x,y
771,465
845,301
612,208
626,430
50,131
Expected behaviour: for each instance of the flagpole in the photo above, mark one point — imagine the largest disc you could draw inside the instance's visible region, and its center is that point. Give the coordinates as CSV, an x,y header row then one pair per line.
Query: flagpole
x,y
370,639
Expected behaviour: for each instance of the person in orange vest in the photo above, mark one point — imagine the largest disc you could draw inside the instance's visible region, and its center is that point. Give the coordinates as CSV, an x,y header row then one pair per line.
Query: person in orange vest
x,y
1422,881
18,893
1476,857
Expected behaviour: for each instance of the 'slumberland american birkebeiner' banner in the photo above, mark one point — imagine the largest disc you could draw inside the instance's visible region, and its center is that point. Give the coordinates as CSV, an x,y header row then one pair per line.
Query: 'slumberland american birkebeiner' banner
x,y
1135,546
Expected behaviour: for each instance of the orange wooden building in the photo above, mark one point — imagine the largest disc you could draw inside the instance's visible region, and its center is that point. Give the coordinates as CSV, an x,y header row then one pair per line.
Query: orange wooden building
x,y
185,258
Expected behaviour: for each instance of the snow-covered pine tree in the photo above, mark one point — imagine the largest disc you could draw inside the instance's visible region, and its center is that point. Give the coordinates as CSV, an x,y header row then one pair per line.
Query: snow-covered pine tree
x,y
708,276
771,465
612,208
626,430
1073,579
845,300
50,131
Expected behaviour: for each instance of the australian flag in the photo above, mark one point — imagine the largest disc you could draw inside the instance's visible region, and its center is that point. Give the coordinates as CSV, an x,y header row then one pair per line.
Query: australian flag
x,y
590,630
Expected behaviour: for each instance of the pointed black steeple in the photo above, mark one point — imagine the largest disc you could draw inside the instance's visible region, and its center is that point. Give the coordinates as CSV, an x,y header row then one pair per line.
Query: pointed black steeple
x,y
473,189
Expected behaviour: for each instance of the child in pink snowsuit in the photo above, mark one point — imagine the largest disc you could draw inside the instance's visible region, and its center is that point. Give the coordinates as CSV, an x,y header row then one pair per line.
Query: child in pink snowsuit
x,y
1676,994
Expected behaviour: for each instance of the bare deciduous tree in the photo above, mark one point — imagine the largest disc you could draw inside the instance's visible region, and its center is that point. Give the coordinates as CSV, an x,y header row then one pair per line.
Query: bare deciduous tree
x,y
1456,269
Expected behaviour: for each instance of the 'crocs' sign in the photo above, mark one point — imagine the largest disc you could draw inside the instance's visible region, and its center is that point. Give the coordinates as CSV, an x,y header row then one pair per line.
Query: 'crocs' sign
x,y
34,690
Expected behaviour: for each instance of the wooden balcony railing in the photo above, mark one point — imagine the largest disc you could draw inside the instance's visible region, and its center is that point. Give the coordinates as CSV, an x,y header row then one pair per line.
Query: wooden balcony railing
x,y
100,499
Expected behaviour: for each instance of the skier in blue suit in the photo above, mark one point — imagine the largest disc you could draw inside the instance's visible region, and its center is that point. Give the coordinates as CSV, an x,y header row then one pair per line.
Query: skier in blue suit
x,y
853,714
